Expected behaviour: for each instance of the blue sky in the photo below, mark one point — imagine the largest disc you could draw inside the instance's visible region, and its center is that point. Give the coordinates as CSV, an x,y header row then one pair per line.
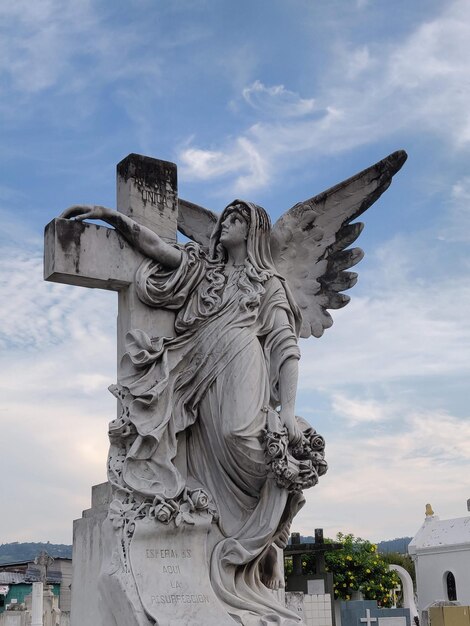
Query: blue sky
x,y
272,101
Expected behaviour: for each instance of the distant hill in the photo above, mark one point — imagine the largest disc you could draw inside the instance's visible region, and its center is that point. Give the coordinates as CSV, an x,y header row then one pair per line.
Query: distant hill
x,y
399,545
14,552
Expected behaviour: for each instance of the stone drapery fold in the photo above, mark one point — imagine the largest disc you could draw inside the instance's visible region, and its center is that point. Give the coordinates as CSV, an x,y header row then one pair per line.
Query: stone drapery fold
x,y
198,403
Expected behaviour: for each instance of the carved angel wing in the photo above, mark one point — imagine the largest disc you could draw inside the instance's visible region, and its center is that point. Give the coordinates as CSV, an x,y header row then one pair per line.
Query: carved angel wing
x,y
196,222
309,243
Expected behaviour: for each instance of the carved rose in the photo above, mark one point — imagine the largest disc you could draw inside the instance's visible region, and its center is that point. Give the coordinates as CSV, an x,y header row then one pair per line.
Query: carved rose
x,y
277,448
317,442
199,499
163,512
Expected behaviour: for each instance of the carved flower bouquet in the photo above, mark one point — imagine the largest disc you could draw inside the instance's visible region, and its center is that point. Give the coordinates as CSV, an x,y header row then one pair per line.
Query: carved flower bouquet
x,y
295,467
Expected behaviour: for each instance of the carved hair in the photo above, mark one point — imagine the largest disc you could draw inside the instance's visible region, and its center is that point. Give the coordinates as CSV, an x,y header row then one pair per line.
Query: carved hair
x,y
260,264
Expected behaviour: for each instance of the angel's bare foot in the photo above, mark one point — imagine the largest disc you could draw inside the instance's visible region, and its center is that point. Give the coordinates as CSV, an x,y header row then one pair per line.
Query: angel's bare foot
x,y
271,575
282,535
282,539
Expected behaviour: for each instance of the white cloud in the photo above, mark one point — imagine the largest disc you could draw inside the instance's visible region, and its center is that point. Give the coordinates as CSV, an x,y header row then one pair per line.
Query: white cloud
x,y
58,348
242,159
368,93
356,411
204,164
375,476
35,314
403,328
277,100
56,450
37,51
73,51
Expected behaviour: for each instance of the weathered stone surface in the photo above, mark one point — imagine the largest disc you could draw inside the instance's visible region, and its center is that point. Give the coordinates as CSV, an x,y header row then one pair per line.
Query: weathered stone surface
x,y
87,255
37,604
13,618
171,571
87,558
295,602
147,191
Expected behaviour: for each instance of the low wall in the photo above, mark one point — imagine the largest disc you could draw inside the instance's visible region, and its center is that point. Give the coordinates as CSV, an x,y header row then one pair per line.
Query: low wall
x,y
23,618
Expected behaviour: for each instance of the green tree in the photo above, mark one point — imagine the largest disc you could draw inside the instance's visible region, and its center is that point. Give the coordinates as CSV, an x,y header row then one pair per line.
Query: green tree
x,y
404,560
359,567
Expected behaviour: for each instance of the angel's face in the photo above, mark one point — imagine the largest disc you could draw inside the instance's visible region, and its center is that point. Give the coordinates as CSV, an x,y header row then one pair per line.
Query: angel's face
x,y
234,229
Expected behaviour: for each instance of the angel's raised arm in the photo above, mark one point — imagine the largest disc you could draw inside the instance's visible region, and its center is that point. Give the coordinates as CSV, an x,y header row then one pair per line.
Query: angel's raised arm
x,y
140,237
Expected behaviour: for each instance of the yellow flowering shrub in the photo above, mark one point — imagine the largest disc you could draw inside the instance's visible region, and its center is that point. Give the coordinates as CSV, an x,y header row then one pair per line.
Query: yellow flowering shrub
x,y
358,567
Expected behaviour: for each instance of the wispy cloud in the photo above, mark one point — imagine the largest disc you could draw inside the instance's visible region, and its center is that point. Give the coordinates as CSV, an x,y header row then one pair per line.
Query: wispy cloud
x,y
57,349
242,159
374,92
277,100
370,485
74,52
403,328
357,411
37,50
35,314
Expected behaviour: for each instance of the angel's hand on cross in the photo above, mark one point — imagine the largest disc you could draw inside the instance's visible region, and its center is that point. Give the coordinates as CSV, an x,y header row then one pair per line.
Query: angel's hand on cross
x,y
82,212
139,236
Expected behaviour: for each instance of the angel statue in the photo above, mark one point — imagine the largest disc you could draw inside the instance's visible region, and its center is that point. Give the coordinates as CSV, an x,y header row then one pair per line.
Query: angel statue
x,y
208,424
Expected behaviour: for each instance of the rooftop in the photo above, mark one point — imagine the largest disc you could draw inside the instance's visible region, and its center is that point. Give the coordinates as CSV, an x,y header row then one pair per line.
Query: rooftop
x,y
435,533
31,575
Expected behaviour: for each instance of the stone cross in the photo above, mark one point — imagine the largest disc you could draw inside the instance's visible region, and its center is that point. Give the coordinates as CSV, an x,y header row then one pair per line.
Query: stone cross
x,y
43,561
368,619
79,253
396,592
296,550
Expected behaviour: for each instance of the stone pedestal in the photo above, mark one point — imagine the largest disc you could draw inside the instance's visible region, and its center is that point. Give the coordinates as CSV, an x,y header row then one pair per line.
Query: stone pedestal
x,y
52,612
87,558
171,571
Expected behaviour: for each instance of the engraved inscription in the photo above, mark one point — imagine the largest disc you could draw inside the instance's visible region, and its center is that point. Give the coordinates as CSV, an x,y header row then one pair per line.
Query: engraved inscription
x,y
180,598
167,553
171,574
157,195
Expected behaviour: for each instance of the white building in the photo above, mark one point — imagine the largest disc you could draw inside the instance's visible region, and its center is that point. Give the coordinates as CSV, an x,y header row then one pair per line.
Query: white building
x,y
441,552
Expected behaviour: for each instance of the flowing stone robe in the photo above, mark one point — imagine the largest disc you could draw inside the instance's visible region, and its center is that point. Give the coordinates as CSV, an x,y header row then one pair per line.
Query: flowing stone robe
x,y
199,403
